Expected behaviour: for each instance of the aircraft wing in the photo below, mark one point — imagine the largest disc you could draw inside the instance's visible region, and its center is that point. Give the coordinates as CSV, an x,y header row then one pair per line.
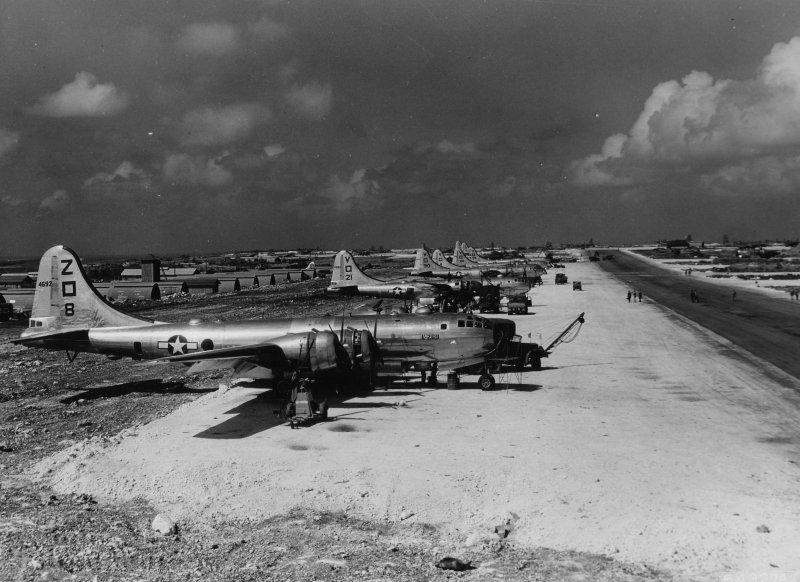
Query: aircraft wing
x,y
236,365
265,355
447,366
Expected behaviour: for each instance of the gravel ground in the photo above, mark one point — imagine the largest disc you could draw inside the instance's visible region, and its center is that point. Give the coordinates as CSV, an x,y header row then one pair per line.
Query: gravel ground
x,y
48,406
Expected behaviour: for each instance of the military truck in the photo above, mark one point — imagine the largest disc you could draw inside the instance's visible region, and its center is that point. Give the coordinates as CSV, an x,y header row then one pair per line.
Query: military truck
x,y
517,304
489,299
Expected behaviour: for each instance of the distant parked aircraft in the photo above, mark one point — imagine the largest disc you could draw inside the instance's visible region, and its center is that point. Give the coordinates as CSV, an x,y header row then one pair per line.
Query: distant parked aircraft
x,y
348,279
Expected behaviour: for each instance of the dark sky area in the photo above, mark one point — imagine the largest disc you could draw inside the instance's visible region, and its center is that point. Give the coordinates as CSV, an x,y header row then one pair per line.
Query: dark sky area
x,y
197,125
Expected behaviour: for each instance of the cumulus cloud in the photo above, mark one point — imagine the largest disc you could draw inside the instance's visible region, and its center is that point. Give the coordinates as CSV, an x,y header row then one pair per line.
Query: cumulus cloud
x,y
359,192
209,38
312,101
186,170
125,172
448,147
126,183
344,194
84,97
701,123
274,150
9,140
10,200
56,202
757,176
208,126
266,29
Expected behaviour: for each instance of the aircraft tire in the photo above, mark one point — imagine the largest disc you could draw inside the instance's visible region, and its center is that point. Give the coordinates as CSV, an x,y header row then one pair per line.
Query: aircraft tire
x,y
535,362
323,410
486,382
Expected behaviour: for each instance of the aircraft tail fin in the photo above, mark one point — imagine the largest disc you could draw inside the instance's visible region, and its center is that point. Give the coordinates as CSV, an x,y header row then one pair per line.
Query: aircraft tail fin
x,y
458,255
422,262
65,300
439,258
347,274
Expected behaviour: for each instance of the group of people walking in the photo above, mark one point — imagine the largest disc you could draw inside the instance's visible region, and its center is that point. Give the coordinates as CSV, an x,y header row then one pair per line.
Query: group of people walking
x,y
634,294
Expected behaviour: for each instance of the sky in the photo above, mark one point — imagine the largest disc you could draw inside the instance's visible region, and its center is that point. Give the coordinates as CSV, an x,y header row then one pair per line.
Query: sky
x,y
197,125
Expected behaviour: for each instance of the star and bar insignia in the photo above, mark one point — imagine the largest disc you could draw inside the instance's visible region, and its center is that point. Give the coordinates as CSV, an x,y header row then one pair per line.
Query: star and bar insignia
x,y
177,345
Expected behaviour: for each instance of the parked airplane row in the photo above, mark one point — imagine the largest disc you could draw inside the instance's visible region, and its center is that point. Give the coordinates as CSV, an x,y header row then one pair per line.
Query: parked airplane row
x,y
70,315
347,278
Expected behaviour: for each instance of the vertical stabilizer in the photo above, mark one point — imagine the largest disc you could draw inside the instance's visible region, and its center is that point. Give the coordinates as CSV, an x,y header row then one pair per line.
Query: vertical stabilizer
x,y
347,274
464,260
470,253
439,258
422,262
458,255
66,300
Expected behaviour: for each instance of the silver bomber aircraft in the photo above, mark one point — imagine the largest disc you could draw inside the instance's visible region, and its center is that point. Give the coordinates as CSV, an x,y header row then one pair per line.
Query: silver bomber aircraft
x,y
435,265
348,279
69,314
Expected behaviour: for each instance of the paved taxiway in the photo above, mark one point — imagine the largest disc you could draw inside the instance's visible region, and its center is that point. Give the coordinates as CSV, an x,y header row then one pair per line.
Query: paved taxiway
x,y
648,438
766,326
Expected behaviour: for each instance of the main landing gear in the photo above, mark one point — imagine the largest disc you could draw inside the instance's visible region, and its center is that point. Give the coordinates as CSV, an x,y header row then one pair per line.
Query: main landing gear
x,y
308,403
486,382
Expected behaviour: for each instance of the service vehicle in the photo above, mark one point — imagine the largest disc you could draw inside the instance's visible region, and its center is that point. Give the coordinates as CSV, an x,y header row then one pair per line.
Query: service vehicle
x,y
511,351
518,304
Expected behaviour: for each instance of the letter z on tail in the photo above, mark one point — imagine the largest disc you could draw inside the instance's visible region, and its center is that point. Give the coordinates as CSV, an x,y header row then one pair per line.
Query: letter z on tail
x,y
65,302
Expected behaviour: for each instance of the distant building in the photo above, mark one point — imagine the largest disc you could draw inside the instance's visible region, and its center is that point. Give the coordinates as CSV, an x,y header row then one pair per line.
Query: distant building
x,y
178,272
17,281
202,285
675,243
148,274
151,270
131,275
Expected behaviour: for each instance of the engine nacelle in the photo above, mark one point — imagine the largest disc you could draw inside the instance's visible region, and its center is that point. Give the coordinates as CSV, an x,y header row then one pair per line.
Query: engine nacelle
x,y
362,349
318,351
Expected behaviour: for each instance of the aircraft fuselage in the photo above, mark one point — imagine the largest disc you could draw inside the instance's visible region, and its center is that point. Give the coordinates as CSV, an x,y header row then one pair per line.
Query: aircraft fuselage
x,y
441,337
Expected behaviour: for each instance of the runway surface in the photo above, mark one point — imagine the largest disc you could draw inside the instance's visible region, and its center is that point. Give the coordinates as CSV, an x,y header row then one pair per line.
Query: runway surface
x,y
765,326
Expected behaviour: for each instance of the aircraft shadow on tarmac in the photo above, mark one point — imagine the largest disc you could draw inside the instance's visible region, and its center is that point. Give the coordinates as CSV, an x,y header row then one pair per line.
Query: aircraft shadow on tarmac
x,y
250,417
263,413
152,386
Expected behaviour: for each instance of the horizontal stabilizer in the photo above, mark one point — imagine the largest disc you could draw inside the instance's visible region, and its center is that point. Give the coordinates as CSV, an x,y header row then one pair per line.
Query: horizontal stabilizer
x,y
72,339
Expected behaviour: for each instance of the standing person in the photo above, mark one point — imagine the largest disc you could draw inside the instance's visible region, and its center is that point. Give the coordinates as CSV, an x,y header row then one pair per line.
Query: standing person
x,y
629,296
640,295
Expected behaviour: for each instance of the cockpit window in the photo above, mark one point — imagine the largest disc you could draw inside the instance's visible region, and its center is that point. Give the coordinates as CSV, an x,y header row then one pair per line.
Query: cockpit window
x,y
469,323
461,323
444,326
